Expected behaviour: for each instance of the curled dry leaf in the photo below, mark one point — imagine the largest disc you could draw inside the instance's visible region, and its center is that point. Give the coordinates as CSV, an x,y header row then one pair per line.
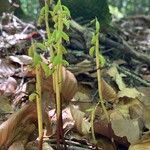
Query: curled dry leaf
x,y
69,85
108,92
68,122
9,128
82,124
102,127
21,136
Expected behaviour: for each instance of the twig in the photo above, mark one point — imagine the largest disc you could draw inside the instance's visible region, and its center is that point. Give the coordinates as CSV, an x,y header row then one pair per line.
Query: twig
x,y
124,47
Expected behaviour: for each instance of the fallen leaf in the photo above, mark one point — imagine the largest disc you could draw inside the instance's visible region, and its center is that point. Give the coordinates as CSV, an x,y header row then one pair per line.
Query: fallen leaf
x,y
69,85
113,72
6,69
17,146
124,127
5,106
82,124
146,95
143,144
9,128
21,59
82,67
129,92
8,86
108,92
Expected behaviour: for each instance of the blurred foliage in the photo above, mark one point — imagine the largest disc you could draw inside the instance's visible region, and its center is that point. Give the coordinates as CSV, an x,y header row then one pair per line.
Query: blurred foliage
x,y
116,14
131,7
86,8
89,9
30,7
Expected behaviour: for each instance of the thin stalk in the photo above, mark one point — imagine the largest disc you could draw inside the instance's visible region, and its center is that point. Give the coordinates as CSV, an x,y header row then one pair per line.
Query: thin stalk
x,y
60,28
39,100
99,78
57,91
92,123
58,79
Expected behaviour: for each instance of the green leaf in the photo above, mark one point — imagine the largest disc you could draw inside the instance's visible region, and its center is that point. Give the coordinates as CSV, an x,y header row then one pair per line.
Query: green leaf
x,y
57,60
52,38
55,18
93,39
32,97
56,25
46,8
36,59
66,10
90,110
102,60
46,69
64,62
31,50
64,51
97,26
41,46
56,8
65,36
51,13
91,51
66,22
58,35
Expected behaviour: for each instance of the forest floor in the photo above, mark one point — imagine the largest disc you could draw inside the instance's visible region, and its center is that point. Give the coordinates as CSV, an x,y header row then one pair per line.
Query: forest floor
x,y
125,88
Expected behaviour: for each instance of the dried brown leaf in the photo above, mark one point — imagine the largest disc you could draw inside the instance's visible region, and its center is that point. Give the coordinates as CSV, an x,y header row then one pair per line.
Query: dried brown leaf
x,y
21,59
69,85
6,69
82,124
125,127
113,72
8,129
8,86
129,92
143,144
108,92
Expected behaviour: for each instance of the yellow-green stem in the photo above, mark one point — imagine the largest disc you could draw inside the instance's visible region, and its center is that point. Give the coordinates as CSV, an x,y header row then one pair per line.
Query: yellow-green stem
x,y
92,123
59,69
58,104
60,27
39,100
99,77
